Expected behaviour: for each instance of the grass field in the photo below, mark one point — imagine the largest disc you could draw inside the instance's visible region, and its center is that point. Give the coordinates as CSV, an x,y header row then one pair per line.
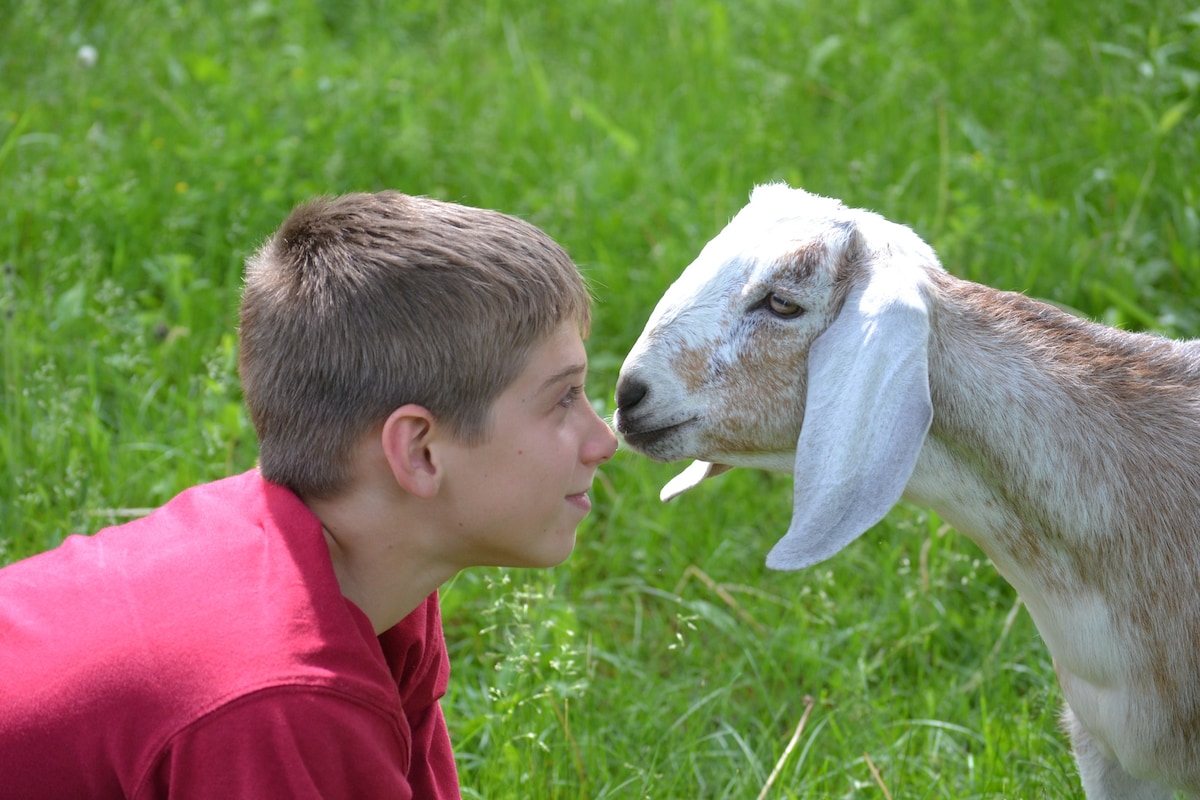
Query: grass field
x,y
146,148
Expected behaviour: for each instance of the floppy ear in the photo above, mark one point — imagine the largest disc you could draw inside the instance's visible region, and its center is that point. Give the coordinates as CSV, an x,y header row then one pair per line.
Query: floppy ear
x,y
865,419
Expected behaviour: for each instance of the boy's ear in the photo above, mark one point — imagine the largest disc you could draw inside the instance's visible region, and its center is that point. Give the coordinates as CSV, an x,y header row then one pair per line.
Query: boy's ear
x,y
406,438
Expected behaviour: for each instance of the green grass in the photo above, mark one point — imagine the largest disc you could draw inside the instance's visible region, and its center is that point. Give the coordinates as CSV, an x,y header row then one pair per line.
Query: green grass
x,y
1044,147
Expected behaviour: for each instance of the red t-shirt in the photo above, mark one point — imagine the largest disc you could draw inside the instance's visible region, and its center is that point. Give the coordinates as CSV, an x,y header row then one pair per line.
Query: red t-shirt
x,y
206,651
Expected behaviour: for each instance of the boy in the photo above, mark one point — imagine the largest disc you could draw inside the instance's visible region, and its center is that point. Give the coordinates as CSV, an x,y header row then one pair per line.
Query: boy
x,y
414,371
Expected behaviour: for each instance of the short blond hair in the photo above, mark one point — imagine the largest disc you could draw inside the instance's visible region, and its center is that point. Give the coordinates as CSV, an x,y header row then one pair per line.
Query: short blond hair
x,y
363,303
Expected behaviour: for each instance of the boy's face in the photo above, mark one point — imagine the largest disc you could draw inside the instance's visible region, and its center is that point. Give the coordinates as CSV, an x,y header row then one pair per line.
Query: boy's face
x,y
517,499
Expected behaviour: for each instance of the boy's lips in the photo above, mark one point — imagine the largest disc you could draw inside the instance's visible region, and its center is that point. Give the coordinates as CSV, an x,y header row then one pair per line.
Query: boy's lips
x,y
581,501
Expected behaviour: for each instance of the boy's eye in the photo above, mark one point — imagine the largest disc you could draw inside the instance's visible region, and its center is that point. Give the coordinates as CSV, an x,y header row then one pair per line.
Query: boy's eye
x,y
573,394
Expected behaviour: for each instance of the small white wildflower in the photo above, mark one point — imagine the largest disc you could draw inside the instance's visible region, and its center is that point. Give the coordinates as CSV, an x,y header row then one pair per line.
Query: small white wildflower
x,y
87,56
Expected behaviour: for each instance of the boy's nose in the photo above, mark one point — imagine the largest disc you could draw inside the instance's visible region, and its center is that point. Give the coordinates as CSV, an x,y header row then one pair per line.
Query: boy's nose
x,y
605,441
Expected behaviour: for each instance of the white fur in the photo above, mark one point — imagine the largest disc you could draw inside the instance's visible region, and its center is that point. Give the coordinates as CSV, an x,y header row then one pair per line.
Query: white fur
x,y
1070,452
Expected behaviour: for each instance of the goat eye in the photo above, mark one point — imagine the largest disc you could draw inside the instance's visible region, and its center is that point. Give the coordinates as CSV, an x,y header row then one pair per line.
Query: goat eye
x,y
782,307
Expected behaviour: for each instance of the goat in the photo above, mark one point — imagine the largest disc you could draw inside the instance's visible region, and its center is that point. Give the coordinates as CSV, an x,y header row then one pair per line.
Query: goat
x,y
828,341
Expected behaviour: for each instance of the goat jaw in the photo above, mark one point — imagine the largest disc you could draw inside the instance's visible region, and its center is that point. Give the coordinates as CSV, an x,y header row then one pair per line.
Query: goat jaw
x,y
696,472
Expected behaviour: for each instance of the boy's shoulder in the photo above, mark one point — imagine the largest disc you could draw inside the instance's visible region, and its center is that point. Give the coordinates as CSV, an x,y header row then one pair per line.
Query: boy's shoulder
x,y
143,628
237,564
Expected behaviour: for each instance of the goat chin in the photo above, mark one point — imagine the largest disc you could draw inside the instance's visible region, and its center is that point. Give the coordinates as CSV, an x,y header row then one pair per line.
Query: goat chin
x,y
1069,451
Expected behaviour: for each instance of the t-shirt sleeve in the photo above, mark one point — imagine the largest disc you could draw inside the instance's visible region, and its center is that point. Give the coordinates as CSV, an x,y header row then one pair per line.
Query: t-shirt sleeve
x,y
415,650
433,773
302,743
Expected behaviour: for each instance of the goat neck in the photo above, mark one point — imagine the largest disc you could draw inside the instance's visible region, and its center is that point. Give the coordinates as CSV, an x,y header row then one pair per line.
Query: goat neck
x,y
1070,453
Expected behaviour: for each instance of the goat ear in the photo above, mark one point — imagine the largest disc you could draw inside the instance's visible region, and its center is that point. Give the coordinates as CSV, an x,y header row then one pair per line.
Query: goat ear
x,y
696,472
866,417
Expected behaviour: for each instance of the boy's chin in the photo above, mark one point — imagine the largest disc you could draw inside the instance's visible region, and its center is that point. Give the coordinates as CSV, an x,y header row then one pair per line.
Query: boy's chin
x,y
552,556
550,551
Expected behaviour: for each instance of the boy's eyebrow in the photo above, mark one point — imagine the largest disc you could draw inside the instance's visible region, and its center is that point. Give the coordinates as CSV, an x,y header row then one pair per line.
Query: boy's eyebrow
x,y
569,372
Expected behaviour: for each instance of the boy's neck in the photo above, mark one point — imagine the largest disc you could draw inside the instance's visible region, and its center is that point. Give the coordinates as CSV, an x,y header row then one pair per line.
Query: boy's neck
x,y
377,558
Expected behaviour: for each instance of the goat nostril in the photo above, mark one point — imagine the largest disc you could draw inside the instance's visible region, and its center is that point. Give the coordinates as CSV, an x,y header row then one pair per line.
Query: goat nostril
x,y
630,391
